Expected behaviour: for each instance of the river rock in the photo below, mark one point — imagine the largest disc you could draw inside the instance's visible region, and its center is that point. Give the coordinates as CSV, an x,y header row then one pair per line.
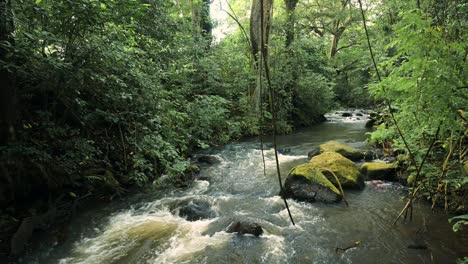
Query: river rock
x,y
107,181
208,159
307,183
334,163
346,114
370,123
379,170
284,151
196,210
341,148
313,153
242,228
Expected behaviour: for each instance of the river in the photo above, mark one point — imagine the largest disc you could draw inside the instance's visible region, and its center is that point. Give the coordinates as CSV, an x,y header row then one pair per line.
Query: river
x,y
146,227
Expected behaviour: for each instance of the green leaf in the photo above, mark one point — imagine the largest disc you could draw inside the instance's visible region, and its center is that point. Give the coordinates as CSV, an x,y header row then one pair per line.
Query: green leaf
x,y
459,222
38,1
103,6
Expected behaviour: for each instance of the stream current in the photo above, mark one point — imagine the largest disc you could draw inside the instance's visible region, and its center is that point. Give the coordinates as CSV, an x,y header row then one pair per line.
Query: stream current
x,y
147,228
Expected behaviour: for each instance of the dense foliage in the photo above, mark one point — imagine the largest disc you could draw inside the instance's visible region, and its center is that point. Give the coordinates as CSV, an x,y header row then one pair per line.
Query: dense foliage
x,y
425,79
129,86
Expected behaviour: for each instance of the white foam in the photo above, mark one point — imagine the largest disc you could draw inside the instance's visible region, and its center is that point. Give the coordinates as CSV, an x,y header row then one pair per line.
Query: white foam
x,y
126,231
188,241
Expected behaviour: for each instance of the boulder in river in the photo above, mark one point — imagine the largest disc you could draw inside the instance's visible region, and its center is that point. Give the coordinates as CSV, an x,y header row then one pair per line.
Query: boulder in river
x,y
370,123
334,163
307,183
346,114
208,159
379,170
196,210
338,147
242,228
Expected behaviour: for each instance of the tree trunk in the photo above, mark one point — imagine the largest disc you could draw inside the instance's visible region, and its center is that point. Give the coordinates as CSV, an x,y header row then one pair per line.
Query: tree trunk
x,y
290,27
334,46
291,83
205,20
201,21
7,75
255,26
339,26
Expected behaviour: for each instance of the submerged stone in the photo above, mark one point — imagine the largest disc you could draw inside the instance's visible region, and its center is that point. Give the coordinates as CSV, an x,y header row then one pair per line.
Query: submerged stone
x,y
379,170
344,169
306,183
242,228
196,210
208,159
370,123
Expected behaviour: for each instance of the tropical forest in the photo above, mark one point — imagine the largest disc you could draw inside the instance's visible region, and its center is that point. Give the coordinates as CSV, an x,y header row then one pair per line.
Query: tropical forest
x,y
233,131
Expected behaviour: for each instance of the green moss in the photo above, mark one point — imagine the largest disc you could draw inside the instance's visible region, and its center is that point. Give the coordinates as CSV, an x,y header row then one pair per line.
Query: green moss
x,y
375,166
343,168
379,170
343,149
315,175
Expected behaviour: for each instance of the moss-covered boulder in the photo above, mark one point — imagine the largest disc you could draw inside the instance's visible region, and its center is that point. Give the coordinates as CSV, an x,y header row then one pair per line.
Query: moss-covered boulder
x,y
379,171
344,169
338,147
306,183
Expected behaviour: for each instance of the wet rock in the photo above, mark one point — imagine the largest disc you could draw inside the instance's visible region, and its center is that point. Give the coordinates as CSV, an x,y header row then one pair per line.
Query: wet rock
x,y
379,171
343,149
359,114
107,181
284,151
417,246
321,119
344,169
196,210
373,154
200,177
307,183
313,152
25,231
346,114
370,123
208,159
194,168
389,159
369,155
242,228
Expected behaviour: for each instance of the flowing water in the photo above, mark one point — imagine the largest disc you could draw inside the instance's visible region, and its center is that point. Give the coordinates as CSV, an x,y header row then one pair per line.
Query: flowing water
x,y
146,228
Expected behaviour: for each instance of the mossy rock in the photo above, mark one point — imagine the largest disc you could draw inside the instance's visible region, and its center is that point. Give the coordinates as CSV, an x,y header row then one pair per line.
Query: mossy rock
x,y
379,170
344,169
343,149
306,183
102,178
